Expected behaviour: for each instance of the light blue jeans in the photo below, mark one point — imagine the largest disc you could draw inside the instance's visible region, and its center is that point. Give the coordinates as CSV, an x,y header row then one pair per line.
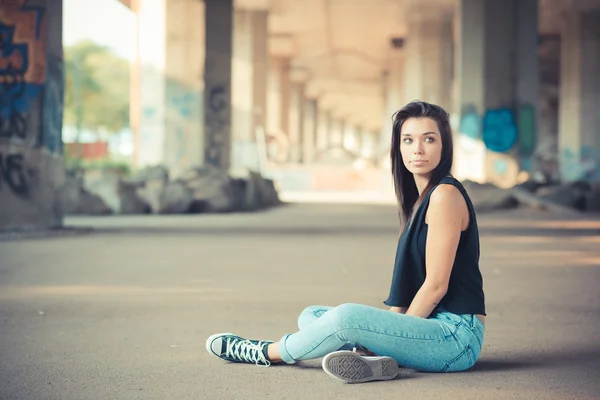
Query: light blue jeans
x,y
444,342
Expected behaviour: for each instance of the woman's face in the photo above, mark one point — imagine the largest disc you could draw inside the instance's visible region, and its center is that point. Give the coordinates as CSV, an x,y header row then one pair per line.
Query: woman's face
x,y
420,145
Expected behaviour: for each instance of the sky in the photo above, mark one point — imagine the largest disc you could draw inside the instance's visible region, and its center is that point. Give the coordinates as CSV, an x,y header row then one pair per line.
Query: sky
x,y
107,22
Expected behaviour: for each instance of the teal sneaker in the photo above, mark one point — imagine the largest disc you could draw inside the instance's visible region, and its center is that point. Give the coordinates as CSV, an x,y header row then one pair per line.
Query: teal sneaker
x,y
230,347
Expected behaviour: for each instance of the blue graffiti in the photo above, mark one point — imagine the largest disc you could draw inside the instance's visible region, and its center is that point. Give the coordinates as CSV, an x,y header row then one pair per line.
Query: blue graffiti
x,y
579,165
499,130
39,15
469,123
500,166
51,135
16,95
526,163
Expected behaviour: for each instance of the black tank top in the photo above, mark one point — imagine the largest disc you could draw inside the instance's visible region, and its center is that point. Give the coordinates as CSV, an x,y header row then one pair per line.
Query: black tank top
x,y
465,289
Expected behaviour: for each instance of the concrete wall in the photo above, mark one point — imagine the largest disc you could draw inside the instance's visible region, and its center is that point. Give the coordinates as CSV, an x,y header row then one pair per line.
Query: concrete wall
x,y
31,93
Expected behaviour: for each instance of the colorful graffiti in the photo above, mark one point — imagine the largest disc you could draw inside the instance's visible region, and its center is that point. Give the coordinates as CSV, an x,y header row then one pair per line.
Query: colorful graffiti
x,y
218,114
526,126
499,130
581,164
12,174
470,125
22,66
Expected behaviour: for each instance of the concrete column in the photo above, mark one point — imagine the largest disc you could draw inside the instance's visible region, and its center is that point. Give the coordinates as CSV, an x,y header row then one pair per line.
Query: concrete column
x,y
428,57
351,139
579,105
310,126
497,72
217,80
166,95
393,88
367,143
249,84
296,120
336,133
278,95
323,128
31,108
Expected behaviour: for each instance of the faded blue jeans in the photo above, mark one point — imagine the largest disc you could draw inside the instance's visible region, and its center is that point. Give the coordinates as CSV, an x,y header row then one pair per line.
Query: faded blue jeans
x,y
444,342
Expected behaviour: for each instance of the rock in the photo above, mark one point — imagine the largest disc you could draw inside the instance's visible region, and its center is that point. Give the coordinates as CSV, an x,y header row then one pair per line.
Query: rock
x,y
531,185
121,196
176,198
488,197
104,183
532,201
592,198
74,199
571,196
131,201
212,190
258,192
155,173
151,192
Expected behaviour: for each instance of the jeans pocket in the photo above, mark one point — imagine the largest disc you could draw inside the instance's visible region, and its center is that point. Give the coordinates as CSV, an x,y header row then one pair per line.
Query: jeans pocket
x,y
465,360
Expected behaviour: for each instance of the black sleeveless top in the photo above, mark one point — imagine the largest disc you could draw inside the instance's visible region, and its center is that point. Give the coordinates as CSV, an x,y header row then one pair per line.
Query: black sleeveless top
x,y
465,289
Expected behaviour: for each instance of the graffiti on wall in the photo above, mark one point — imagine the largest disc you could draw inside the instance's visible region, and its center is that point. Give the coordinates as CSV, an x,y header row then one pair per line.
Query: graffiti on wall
x,y
22,67
50,136
499,130
184,110
581,164
527,129
12,174
217,126
470,124
22,83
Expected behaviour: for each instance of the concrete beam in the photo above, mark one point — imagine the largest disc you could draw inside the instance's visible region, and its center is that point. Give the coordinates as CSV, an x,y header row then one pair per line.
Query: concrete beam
x,y
259,5
282,46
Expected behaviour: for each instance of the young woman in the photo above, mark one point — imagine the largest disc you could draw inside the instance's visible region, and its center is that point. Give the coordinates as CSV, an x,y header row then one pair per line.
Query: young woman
x,y
437,309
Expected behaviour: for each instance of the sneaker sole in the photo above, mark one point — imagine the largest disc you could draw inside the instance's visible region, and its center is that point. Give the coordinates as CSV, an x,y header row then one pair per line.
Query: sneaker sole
x,y
349,367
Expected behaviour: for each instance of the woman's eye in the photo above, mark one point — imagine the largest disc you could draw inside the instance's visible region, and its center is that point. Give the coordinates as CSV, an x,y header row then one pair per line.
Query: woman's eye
x,y
407,140
430,140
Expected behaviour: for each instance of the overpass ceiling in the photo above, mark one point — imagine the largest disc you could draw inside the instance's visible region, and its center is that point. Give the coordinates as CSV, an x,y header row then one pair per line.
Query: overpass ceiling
x,y
344,46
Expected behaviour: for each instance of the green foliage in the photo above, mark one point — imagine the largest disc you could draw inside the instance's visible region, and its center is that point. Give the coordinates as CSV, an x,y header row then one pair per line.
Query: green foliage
x,y
77,164
96,88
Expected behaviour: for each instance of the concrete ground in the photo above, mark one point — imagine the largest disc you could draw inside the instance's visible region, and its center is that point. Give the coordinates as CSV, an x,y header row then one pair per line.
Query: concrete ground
x,y
123,311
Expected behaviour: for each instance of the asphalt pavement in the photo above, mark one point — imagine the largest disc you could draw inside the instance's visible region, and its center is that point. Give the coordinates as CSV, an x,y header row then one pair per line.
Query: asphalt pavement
x,y
120,307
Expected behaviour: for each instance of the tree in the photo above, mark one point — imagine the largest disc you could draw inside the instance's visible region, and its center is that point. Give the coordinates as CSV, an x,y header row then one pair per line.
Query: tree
x,y
96,88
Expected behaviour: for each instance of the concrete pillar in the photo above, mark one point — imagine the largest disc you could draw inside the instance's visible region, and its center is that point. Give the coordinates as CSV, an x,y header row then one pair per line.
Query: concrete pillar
x,y
367,143
217,80
497,89
323,128
166,95
249,84
579,105
310,126
393,88
351,138
278,95
336,133
428,56
296,120
31,105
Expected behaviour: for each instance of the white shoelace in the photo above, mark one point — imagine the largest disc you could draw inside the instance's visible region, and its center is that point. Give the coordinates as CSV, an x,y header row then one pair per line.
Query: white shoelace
x,y
247,351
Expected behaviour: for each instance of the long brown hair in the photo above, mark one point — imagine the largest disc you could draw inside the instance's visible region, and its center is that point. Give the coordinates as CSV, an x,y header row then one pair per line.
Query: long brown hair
x,y
404,181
